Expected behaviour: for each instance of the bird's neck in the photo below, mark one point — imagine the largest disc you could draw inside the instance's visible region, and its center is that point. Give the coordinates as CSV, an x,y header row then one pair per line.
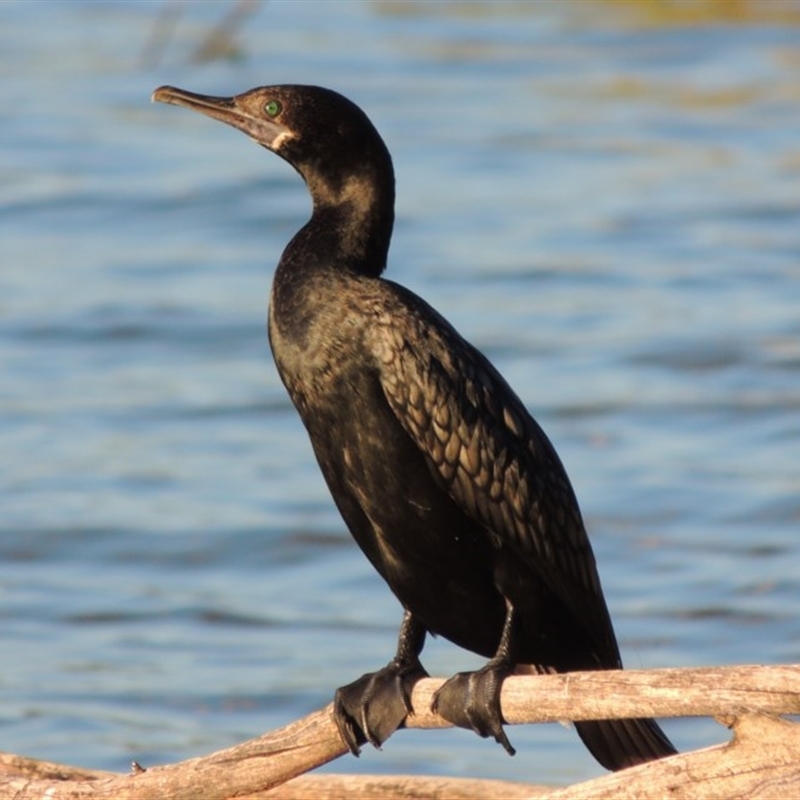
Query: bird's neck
x,y
352,221
348,234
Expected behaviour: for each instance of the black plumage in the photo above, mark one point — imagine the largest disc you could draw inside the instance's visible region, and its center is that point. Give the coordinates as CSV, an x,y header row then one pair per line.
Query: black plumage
x,y
449,486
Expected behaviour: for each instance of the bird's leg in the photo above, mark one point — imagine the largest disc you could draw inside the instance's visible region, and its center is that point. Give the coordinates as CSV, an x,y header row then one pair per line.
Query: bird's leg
x,y
373,707
472,699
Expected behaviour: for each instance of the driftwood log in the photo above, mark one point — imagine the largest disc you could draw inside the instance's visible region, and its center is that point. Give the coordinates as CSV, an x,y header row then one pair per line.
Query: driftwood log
x,y
761,761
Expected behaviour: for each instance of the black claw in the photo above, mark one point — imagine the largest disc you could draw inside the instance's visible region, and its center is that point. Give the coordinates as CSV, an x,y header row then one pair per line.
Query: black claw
x,y
471,700
350,733
373,707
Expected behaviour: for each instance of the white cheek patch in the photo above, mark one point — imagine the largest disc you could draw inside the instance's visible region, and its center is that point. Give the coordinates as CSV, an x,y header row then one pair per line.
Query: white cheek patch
x,y
281,139
263,132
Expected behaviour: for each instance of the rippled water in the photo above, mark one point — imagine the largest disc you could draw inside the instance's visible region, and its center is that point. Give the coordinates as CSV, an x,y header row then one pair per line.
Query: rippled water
x,y
606,201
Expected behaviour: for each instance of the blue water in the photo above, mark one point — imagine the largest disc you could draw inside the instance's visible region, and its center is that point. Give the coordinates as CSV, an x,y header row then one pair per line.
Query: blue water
x,y
607,203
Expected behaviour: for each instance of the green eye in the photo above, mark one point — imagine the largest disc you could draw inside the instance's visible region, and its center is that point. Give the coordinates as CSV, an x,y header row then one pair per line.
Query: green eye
x,y
273,108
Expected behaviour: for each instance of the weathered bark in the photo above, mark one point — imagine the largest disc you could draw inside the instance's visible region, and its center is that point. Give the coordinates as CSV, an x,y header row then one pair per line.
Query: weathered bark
x,y
762,761
399,787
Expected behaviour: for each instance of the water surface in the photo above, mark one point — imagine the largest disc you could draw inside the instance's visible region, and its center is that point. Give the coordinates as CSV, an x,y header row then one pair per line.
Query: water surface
x,y
603,201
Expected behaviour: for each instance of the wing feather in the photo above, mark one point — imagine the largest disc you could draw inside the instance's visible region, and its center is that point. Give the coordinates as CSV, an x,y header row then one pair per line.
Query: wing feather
x,y
489,453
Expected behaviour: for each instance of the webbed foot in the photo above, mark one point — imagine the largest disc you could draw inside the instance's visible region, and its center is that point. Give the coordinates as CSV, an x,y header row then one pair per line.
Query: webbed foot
x,y
471,700
373,707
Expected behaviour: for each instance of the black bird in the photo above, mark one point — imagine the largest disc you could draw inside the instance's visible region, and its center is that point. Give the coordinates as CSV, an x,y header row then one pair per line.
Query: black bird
x,y
449,486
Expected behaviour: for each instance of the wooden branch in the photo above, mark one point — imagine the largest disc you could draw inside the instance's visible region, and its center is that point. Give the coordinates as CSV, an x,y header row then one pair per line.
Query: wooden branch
x,y
619,694
762,763
256,766
400,787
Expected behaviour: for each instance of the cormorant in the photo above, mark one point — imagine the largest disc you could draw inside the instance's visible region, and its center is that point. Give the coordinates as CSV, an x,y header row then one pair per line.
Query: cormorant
x,y
448,485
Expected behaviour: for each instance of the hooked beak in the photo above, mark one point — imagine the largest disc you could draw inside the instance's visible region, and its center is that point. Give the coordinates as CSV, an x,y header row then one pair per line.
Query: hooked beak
x,y
241,111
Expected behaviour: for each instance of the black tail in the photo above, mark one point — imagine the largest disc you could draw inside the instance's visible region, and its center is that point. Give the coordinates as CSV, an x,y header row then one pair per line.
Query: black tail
x,y
621,743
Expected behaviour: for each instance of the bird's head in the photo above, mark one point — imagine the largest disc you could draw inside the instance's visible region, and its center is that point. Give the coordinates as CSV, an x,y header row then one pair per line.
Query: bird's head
x,y
327,138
